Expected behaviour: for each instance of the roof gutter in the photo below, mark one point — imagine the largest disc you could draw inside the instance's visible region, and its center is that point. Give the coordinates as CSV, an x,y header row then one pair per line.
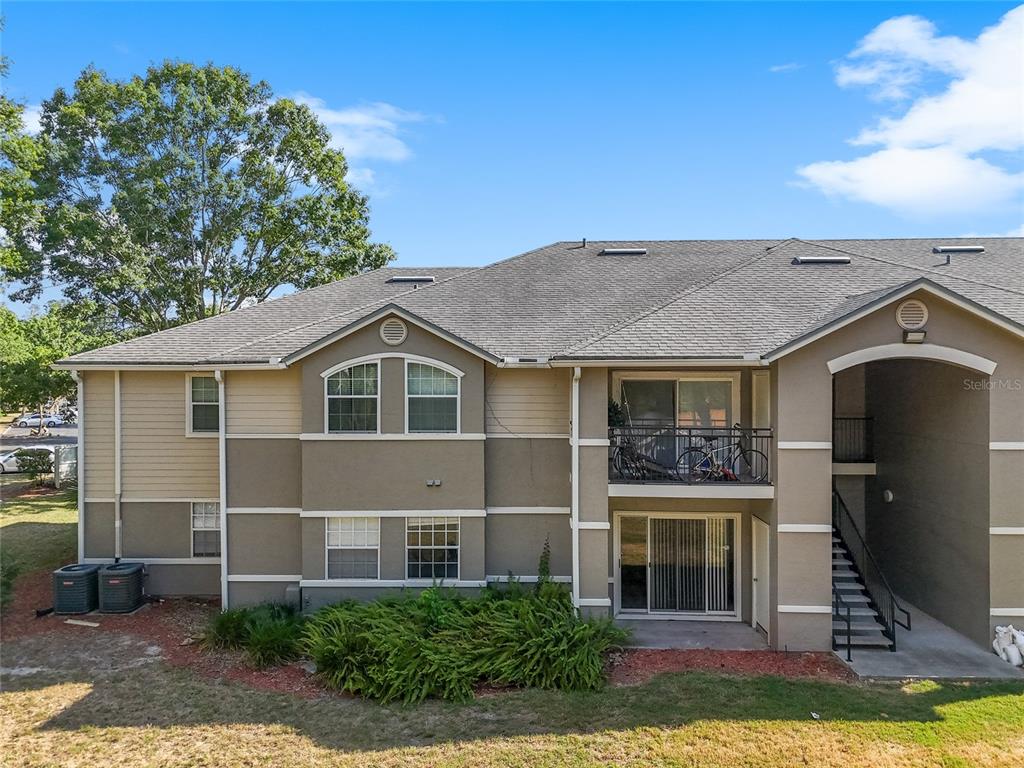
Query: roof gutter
x,y
272,364
747,361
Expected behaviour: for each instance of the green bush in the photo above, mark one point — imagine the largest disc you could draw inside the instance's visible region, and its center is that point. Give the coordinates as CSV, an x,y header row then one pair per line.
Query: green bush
x,y
438,644
36,462
269,634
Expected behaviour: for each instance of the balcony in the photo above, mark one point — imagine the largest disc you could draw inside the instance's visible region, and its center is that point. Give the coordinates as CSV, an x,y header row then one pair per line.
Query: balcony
x,y
718,457
853,440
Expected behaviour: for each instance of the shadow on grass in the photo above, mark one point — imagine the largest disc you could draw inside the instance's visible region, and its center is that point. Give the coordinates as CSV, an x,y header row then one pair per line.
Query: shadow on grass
x,y
159,696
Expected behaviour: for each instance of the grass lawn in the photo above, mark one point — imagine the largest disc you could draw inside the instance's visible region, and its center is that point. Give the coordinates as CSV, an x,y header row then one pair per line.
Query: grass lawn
x,y
85,698
35,532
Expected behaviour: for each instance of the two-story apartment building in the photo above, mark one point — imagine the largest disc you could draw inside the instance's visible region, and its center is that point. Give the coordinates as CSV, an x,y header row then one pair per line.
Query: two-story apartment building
x,y
698,429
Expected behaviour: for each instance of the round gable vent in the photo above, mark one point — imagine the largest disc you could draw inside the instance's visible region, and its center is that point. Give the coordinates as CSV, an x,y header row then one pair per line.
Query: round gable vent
x,y
393,331
911,315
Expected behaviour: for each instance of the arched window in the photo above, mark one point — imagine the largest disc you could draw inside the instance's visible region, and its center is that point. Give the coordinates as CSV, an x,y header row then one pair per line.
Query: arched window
x,y
432,396
352,399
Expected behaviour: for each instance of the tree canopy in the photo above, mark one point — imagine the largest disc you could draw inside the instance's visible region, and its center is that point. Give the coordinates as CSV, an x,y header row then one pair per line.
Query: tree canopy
x,y
181,194
29,346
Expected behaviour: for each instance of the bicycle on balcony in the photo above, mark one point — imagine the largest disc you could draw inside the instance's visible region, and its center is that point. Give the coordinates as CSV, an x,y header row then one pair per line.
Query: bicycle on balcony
x,y
714,461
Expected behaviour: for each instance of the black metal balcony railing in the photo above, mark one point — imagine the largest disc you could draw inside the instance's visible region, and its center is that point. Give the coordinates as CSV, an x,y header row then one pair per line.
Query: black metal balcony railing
x,y
853,439
654,453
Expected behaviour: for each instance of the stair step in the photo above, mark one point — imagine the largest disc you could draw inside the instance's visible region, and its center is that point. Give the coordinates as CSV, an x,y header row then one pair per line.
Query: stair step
x,y
849,586
850,598
865,641
846,576
841,561
858,624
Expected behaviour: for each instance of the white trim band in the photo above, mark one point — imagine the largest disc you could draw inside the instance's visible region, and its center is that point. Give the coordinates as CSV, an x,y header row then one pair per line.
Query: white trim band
x,y
805,609
262,436
594,442
527,579
257,579
387,583
393,513
1006,531
156,560
696,491
527,436
387,437
596,602
804,528
264,510
1006,446
805,445
593,526
528,510
1007,612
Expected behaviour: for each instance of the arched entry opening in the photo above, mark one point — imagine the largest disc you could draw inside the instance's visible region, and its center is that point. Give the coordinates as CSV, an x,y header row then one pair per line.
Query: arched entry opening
x,y
911,450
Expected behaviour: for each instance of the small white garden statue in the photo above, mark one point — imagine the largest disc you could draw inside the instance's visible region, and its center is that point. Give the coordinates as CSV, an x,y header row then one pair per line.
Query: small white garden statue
x,y
1009,645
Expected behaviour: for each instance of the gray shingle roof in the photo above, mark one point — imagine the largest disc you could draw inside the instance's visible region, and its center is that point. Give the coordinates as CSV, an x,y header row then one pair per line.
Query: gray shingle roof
x,y
691,298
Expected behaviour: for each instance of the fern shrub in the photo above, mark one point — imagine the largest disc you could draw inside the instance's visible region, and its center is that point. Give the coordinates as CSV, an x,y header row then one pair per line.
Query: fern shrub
x,y
441,645
269,634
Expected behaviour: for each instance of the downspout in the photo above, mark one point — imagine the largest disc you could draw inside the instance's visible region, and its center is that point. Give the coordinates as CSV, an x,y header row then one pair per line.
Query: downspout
x,y
80,462
117,466
222,484
575,503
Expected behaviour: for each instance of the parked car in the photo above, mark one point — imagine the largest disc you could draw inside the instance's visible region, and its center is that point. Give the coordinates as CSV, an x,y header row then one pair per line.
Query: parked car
x,y
34,420
9,460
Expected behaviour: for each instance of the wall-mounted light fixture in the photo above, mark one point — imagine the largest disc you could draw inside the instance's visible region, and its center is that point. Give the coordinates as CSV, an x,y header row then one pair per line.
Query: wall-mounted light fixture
x,y
887,496
913,337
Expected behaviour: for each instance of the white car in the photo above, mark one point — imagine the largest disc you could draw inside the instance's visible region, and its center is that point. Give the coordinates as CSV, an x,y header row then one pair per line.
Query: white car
x,y
9,458
34,420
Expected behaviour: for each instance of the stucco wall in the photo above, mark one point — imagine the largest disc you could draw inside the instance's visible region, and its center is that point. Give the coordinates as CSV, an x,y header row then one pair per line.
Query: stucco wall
x,y
514,544
528,473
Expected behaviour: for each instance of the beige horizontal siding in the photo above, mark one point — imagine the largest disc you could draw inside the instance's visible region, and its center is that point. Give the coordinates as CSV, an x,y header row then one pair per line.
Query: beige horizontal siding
x,y
158,460
527,401
264,402
98,437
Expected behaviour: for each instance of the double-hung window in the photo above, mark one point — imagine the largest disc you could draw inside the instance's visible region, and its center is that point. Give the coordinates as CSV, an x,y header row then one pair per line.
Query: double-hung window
x,y
433,398
353,547
205,529
352,395
432,547
203,405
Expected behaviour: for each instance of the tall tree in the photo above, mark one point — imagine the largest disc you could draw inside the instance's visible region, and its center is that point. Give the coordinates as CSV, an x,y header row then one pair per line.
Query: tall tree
x,y
29,346
186,193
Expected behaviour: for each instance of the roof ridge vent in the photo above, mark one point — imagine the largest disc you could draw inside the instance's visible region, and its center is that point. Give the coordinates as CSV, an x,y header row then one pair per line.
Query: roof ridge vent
x,y
836,259
411,279
958,249
623,252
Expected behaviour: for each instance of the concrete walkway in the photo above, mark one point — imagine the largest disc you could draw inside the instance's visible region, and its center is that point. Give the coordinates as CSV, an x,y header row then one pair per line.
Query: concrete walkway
x,y
931,650
718,635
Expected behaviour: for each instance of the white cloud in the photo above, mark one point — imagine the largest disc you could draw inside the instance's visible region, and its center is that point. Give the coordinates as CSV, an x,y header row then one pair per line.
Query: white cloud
x,y
366,132
929,162
30,119
363,178
791,66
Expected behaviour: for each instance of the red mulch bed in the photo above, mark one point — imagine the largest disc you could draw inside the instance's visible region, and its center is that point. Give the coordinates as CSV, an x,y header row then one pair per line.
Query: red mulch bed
x,y
174,625
636,666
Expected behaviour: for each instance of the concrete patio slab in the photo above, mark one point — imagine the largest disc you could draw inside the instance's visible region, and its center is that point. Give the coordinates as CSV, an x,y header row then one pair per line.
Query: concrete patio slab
x,y
717,635
931,650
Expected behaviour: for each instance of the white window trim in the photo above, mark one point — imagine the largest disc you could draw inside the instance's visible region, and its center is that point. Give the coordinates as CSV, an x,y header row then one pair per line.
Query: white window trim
x,y
344,366
328,548
189,432
458,394
458,563
733,377
193,529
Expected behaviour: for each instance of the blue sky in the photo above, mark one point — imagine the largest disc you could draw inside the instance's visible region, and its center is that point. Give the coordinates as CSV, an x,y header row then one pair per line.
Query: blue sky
x,y
481,131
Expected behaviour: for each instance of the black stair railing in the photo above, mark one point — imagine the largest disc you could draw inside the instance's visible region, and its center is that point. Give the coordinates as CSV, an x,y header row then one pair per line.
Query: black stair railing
x,y
841,612
882,597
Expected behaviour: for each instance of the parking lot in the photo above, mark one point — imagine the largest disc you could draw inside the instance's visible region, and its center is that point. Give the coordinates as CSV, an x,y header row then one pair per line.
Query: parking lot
x,y
12,436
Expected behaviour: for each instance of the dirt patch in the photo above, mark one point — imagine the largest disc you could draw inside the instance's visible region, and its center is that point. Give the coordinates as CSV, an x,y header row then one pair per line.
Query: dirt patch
x,y
636,666
172,626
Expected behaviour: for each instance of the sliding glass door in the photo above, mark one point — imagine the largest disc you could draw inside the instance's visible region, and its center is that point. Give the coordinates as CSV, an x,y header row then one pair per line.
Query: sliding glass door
x,y
678,564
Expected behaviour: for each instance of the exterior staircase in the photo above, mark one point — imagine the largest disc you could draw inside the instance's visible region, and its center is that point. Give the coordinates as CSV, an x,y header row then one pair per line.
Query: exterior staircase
x,y
866,629
865,610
